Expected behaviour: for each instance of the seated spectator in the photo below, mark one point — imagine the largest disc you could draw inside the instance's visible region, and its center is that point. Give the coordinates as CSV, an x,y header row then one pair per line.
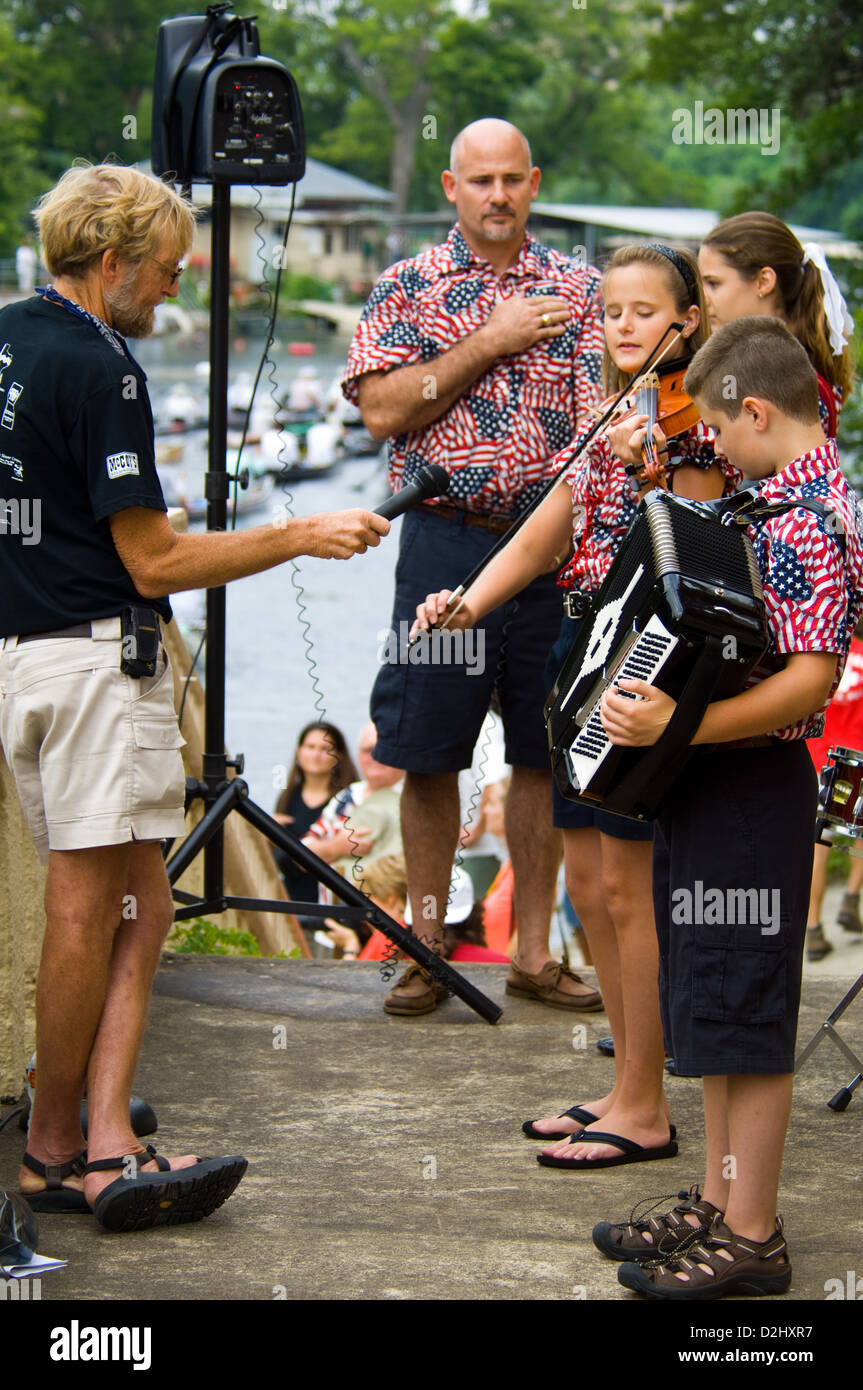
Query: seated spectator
x,y
501,926
385,882
322,767
499,912
362,822
483,849
481,852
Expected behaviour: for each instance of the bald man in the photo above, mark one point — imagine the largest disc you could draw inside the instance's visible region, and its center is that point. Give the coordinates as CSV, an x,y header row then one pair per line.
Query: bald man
x,y
479,355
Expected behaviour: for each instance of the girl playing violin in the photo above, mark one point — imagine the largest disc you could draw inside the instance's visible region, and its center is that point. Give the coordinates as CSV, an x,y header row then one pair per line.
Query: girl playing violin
x,y
645,290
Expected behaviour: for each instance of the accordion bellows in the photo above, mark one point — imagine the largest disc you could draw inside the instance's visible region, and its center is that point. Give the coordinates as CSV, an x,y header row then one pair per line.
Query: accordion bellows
x,y
681,608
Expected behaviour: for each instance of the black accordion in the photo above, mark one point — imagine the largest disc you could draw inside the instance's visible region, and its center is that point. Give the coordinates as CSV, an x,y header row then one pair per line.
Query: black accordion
x,y
682,609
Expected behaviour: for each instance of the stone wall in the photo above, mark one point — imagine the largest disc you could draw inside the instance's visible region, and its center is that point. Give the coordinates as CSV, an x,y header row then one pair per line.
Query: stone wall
x,y
22,884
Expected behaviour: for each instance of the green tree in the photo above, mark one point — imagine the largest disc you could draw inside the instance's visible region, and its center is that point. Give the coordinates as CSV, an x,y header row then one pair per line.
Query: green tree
x,y
20,120
391,82
804,59
89,71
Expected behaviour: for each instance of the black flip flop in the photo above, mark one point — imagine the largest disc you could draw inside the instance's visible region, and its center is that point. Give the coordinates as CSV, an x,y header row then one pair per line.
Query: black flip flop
x,y
632,1152
169,1197
576,1112
54,1199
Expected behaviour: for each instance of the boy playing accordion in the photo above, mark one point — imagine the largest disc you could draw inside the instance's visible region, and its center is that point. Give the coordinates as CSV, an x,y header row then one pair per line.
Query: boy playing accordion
x,y
741,818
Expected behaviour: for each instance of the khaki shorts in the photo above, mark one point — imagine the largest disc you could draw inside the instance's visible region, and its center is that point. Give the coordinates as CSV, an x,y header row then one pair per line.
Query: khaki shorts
x,y
95,754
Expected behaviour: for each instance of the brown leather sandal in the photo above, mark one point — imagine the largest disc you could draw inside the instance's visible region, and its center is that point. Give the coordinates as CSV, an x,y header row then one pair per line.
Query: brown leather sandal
x,y
755,1267
628,1240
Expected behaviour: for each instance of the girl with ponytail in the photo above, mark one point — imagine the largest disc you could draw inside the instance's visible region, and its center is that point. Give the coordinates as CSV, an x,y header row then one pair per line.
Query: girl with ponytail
x,y
754,264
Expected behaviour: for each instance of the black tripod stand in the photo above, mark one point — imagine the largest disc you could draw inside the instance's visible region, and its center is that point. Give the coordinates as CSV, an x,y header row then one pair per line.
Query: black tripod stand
x,y
220,795
844,1095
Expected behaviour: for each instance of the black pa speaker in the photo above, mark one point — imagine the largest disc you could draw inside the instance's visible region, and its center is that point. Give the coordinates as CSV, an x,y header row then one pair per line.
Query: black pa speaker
x,y
223,113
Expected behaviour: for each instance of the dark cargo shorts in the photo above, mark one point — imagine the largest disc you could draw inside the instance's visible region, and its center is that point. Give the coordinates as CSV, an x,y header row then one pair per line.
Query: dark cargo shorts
x,y
732,864
428,704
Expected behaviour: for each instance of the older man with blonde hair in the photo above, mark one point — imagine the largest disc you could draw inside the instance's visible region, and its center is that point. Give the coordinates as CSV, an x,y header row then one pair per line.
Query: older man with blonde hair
x,y
87,720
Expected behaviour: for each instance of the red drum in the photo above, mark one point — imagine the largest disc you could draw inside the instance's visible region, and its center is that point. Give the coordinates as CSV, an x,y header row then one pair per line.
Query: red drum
x,y
840,793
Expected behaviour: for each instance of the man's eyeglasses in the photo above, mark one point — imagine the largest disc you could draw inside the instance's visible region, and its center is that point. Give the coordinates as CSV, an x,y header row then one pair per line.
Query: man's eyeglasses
x,y
172,271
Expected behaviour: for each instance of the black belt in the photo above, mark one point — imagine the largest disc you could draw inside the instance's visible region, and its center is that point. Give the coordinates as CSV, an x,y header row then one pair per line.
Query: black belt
x,y
77,630
576,604
497,524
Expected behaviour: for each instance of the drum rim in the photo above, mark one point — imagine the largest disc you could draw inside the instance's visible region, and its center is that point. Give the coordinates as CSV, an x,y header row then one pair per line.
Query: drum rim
x,y
846,755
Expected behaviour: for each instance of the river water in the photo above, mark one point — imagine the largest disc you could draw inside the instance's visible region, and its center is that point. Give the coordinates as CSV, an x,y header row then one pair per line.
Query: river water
x,y
303,639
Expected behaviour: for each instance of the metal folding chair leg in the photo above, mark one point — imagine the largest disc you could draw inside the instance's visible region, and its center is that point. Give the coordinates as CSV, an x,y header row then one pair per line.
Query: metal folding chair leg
x,y
842,1098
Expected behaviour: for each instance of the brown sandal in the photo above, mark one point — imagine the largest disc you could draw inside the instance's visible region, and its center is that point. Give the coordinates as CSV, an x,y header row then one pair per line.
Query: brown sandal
x,y
755,1267
627,1240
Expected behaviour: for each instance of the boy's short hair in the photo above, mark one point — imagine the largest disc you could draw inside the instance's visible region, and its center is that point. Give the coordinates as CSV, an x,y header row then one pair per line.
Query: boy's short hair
x,y
754,356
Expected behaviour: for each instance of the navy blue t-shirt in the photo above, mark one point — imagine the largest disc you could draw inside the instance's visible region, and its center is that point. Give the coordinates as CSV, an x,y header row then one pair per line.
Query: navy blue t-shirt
x,y
76,446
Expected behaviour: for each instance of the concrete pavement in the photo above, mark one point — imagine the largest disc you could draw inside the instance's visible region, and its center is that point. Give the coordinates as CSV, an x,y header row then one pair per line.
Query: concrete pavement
x,y
386,1159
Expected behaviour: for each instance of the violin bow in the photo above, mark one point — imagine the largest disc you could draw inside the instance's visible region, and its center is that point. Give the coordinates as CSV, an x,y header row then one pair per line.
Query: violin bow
x,y
457,595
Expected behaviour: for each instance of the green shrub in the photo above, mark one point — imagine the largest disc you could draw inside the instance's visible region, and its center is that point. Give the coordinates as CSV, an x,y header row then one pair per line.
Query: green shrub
x,y
838,860
208,939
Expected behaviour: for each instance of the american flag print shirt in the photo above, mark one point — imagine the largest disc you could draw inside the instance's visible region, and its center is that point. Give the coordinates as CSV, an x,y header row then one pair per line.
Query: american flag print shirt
x,y
496,440
813,594
829,405
604,505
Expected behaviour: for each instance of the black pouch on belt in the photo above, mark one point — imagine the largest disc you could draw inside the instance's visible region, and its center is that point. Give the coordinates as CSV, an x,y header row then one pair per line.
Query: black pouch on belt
x,y
142,636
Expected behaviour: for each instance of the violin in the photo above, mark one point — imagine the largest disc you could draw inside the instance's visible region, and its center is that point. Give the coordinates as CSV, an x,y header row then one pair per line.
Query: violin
x,y
661,397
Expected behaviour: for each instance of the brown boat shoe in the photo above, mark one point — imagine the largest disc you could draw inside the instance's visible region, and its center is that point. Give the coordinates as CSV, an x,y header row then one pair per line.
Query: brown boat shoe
x,y
408,997
545,987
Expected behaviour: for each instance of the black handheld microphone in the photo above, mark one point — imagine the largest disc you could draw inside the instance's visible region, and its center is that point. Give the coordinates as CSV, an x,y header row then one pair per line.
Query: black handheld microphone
x,y
431,481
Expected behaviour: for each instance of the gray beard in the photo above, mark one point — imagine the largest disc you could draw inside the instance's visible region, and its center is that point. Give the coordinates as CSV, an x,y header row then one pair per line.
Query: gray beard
x,y
130,319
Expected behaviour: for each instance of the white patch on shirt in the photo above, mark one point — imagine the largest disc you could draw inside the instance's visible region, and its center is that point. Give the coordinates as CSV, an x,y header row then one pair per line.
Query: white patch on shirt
x,y
7,419
119,465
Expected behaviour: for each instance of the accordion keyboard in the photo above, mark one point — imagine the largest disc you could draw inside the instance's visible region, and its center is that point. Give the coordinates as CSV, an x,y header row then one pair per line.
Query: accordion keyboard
x,y
644,661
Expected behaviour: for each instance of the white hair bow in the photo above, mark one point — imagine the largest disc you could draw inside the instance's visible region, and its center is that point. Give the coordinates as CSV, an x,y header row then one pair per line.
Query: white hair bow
x,y
839,321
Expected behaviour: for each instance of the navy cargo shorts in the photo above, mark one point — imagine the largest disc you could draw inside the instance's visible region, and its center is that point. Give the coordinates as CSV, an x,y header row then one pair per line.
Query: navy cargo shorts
x,y
732,864
428,704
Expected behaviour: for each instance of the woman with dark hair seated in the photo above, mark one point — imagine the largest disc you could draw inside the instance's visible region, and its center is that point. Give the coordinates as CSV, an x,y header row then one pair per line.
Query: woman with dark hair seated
x,y
322,767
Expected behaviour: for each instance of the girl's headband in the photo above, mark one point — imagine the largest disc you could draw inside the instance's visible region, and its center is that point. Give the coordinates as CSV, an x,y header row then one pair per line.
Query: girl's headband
x,y
681,265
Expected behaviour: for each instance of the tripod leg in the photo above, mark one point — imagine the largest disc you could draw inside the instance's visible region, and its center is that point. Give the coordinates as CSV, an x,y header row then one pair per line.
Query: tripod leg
x,y
845,1095
206,828
827,1029
437,967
